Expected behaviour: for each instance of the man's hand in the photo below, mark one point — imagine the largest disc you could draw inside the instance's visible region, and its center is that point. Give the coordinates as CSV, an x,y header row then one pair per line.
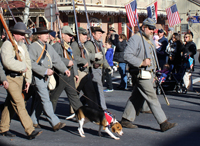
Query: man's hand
x,y
49,72
25,70
5,84
85,65
77,78
70,63
110,70
98,55
146,62
67,72
27,87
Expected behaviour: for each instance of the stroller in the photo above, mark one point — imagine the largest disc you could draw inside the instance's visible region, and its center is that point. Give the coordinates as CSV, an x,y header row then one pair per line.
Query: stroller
x,y
171,80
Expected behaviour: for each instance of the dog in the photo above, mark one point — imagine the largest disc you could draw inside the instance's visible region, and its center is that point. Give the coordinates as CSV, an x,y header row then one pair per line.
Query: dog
x,y
100,118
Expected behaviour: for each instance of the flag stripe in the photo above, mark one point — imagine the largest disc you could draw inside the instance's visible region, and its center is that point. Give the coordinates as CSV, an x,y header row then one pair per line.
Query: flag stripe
x,y
173,18
131,14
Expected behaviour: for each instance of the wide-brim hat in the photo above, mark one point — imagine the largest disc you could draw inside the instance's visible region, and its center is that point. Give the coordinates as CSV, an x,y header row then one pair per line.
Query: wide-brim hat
x,y
42,30
94,29
20,27
112,29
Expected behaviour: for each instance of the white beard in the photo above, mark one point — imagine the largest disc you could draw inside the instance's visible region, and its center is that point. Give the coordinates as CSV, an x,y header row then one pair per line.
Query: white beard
x,y
20,43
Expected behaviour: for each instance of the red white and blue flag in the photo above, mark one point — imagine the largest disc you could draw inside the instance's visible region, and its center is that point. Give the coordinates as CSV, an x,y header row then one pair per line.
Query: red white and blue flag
x,y
173,15
131,11
152,11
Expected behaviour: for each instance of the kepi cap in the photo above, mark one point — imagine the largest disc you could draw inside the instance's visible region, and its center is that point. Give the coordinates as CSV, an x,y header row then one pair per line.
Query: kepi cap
x,y
150,23
67,30
83,31
53,34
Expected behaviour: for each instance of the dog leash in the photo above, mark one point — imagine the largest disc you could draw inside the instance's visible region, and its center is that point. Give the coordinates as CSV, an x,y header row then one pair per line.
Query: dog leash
x,y
73,87
76,89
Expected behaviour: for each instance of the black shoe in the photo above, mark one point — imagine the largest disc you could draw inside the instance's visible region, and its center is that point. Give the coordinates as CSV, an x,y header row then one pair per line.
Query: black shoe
x,y
34,134
8,133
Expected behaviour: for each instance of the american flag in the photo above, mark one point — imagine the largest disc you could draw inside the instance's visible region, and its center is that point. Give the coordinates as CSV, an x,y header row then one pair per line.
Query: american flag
x,y
173,15
131,11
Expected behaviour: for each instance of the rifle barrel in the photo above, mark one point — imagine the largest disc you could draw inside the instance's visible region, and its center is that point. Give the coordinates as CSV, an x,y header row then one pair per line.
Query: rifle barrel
x,y
77,32
10,36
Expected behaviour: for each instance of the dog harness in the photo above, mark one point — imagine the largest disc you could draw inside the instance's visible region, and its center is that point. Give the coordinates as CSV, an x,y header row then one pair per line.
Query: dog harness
x,y
109,117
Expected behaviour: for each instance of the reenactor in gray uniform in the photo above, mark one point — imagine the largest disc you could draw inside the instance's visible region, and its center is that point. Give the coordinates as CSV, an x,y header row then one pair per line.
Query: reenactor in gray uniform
x,y
82,57
66,83
42,71
16,69
98,64
135,55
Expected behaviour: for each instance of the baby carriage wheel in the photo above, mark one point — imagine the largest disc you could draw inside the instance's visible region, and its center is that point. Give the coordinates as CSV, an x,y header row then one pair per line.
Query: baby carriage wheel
x,y
179,89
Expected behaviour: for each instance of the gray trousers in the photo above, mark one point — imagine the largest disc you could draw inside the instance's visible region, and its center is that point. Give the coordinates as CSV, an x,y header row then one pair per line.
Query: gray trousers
x,y
43,100
98,86
69,86
143,90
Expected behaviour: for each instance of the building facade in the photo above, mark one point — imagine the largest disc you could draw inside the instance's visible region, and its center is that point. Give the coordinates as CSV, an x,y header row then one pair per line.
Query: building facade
x,y
110,13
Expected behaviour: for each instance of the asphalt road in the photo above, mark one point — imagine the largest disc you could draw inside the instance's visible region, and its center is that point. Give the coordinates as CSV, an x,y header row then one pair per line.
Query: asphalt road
x,y
184,110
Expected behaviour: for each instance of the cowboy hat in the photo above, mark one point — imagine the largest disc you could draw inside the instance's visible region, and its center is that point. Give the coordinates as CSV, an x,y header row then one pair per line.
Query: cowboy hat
x,y
42,30
94,29
20,27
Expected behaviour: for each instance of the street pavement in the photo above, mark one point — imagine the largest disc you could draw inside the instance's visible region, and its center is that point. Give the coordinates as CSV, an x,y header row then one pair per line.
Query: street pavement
x,y
184,110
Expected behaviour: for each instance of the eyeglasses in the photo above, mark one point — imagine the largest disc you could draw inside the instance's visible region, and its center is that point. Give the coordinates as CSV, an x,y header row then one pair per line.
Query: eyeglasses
x,y
186,37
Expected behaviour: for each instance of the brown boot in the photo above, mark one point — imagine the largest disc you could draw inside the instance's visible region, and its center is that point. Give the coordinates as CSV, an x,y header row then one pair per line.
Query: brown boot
x,y
37,126
166,126
128,124
59,126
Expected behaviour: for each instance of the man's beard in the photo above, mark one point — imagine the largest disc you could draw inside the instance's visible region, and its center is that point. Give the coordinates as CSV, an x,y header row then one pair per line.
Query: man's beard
x,y
20,42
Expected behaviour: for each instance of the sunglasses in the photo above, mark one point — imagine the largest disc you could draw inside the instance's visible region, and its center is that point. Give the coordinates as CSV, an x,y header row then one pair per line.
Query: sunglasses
x,y
151,27
69,35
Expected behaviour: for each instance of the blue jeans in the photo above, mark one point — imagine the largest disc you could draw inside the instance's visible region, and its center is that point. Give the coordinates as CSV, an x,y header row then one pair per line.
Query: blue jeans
x,y
122,71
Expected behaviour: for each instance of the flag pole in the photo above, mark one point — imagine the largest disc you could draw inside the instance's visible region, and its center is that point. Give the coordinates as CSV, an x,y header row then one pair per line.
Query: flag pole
x,y
128,2
151,3
129,28
170,6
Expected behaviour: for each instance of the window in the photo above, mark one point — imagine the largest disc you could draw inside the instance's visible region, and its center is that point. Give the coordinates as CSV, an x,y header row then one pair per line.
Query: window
x,y
71,22
110,22
184,28
124,29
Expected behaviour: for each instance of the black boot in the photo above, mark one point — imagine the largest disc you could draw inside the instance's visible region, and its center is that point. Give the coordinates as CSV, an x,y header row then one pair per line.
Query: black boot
x,y
8,134
128,124
166,126
34,134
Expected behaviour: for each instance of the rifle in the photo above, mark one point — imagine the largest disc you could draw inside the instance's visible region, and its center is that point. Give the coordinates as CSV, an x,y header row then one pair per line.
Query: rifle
x,y
66,55
81,68
10,36
88,27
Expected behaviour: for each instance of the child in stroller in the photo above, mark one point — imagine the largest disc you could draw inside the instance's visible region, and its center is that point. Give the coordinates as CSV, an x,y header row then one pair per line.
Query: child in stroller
x,y
170,80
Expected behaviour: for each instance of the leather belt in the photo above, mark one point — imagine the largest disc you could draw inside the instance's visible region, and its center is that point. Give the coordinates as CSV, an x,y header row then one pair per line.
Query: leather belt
x,y
12,73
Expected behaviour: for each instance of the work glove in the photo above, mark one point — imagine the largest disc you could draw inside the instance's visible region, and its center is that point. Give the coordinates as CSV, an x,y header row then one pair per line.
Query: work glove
x,y
98,55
